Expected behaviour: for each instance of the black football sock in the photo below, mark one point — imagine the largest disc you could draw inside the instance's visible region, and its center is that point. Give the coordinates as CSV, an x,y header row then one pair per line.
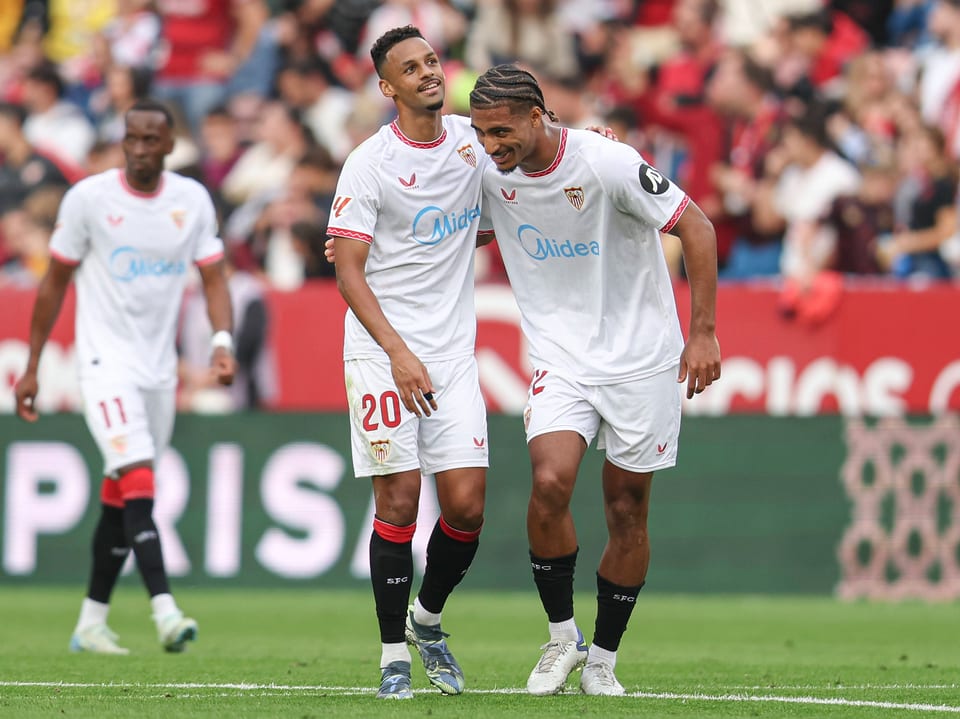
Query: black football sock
x,y
110,550
449,554
554,580
143,538
391,573
614,606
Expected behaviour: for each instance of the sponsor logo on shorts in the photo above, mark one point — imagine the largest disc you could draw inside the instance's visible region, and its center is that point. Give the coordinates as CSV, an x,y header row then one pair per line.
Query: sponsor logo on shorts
x,y
527,411
661,448
380,449
479,442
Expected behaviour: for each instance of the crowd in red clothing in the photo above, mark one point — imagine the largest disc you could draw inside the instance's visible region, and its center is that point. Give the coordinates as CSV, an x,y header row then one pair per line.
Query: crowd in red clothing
x,y
820,136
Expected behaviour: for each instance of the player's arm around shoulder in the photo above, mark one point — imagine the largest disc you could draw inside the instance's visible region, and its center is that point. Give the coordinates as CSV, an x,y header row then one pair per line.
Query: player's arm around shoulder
x,y
700,360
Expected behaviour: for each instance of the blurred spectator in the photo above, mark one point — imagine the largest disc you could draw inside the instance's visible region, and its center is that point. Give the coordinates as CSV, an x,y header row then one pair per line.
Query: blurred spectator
x,y
22,169
104,156
868,117
940,75
132,37
437,20
26,53
307,86
55,125
123,86
69,41
931,215
221,147
907,24
525,31
741,90
308,242
266,165
25,233
859,223
211,50
807,176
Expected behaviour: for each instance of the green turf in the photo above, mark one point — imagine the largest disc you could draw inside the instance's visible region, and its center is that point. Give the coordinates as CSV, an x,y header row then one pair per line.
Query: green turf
x,y
315,654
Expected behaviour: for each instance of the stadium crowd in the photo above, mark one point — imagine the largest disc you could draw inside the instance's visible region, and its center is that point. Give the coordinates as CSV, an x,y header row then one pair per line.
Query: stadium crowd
x,y
821,137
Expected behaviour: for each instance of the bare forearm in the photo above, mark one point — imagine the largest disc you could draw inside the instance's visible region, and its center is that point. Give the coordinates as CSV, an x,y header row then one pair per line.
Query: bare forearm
x,y
216,292
699,244
50,296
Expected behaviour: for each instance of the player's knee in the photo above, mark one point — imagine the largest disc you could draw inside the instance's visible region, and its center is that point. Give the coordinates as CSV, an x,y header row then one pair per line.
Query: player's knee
x,y
551,491
626,514
136,484
463,525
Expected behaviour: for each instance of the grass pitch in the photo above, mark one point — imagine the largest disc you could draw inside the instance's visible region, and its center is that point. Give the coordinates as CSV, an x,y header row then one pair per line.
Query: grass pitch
x,y
311,653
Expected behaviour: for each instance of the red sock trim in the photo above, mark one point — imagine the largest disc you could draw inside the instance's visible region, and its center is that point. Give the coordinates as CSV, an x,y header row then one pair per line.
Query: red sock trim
x,y
458,534
110,493
137,484
393,533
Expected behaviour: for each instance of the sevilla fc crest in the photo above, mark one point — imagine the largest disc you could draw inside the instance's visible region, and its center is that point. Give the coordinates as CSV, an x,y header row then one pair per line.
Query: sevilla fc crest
x,y
380,449
575,196
468,155
178,216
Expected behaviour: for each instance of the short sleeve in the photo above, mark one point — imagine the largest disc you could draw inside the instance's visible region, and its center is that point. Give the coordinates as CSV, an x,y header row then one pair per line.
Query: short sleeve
x,y
209,247
356,203
639,189
70,241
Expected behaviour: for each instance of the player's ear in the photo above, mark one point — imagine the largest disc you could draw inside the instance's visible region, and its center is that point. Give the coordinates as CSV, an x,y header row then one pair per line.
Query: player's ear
x,y
536,117
386,89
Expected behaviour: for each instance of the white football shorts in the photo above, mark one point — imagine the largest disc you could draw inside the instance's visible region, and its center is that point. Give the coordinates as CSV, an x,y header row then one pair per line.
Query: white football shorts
x,y
386,438
636,422
128,424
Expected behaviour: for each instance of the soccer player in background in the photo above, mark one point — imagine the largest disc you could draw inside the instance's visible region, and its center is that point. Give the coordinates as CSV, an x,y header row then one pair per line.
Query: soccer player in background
x,y
404,223
130,236
578,221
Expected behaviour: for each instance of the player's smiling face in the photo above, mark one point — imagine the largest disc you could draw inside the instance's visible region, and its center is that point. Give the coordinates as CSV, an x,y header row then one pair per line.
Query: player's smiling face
x,y
148,140
412,75
508,134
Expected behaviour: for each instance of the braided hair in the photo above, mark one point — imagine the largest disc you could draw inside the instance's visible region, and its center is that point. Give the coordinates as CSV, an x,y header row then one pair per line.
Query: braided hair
x,y
508,85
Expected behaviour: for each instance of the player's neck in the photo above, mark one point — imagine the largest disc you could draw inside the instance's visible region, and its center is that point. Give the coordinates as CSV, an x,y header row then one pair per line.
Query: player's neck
x,y
545,152
420,126
141,185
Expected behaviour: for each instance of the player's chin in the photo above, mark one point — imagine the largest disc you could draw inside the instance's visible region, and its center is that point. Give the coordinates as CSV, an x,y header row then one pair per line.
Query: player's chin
x,y
436,106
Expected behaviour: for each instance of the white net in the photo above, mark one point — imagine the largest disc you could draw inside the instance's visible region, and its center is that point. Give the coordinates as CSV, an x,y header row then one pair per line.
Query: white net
x,y
903,540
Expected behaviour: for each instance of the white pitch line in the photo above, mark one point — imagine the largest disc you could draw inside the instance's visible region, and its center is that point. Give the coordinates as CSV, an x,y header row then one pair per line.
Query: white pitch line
x,y
249,687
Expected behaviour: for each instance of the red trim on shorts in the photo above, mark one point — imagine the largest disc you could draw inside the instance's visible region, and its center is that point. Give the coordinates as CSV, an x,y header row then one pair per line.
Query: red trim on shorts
x,y
393,533
216,257
349,234
64,259
458,534
676,215
110,493
137,484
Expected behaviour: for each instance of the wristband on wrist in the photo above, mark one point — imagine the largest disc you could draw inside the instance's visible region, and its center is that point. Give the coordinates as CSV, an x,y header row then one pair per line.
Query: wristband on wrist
x,y
222,339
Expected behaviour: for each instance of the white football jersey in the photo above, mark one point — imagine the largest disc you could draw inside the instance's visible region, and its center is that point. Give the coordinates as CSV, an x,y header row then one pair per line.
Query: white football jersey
x,y
580,242
418,206
134,251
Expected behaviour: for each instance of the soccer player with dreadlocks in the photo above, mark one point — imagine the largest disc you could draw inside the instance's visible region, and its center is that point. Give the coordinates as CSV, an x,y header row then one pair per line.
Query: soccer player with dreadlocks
x,y
578,221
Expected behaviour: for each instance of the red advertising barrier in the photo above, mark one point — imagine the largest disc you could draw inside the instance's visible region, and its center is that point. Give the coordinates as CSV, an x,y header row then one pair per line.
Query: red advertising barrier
x,y
886,350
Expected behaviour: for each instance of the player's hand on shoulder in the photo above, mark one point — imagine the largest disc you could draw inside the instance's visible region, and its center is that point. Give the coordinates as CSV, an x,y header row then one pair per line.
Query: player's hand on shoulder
x,y
25,392
700,363
607,132
328,250
224,365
